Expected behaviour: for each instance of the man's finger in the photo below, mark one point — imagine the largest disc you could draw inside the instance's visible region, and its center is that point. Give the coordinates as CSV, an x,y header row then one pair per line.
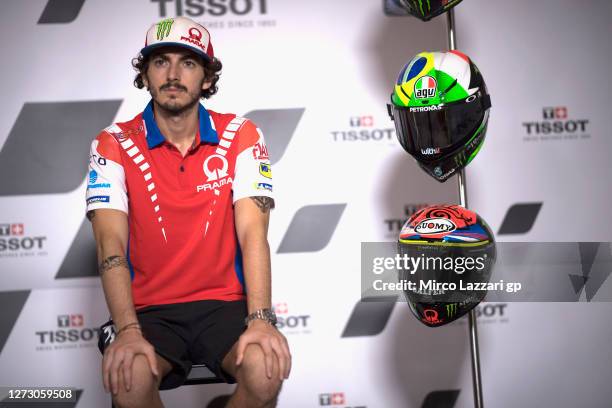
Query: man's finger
x,y
285,345
106,364
152,361
114,371
240,351
127,370
268,357
280,356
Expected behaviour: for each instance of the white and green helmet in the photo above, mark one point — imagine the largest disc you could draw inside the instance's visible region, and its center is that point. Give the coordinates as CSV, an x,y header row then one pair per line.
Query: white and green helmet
x,y
440,107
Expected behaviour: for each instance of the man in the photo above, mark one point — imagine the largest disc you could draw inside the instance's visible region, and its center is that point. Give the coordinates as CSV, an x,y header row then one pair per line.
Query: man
x,y
179,198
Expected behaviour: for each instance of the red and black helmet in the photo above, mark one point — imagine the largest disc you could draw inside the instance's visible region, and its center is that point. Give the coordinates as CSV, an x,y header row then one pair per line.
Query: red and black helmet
x,y
456,249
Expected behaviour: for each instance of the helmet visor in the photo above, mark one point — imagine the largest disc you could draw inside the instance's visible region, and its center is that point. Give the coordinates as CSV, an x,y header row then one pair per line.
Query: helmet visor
x,y
430,132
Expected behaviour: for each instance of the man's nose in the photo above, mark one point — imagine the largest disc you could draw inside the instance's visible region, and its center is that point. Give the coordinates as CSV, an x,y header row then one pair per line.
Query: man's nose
x,y
174,72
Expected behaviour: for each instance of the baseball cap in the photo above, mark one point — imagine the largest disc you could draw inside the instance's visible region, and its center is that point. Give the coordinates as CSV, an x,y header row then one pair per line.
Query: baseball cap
x,y
179,32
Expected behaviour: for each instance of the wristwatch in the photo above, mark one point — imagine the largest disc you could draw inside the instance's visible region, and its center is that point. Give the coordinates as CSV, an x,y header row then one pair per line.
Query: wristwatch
x,y
267,315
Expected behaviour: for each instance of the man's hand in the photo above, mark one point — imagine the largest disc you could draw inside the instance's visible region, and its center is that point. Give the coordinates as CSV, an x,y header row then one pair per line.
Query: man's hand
x,y
120,355
273,344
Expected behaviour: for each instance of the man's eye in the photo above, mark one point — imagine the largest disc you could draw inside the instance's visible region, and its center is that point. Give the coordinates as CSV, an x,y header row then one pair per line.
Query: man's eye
x,y
159,62
190,63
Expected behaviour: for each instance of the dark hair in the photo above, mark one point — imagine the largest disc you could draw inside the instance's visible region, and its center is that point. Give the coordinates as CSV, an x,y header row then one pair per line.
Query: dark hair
x,y
212,71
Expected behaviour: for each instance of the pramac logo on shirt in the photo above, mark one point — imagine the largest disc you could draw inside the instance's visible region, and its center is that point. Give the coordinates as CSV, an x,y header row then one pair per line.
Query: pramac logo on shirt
x,y
215,168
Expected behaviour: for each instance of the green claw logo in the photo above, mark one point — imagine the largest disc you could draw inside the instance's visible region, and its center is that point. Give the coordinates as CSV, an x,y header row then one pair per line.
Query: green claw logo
x,y
420,5
163,28
451,309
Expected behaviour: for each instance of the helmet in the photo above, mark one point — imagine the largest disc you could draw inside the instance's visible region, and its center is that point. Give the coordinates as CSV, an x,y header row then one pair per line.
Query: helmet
x,y
427,9
457,249
440,107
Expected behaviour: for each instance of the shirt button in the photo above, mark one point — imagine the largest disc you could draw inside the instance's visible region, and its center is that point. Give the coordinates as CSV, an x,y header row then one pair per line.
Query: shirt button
x,y
182,169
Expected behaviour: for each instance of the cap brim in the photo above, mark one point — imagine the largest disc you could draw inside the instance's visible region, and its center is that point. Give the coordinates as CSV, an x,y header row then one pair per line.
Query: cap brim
x,y
150,48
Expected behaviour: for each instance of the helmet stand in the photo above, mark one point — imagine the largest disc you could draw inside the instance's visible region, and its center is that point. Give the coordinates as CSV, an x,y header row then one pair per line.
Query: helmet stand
x,y
472,324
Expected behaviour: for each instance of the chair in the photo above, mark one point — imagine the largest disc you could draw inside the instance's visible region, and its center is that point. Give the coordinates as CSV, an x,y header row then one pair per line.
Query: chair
x,y
199,374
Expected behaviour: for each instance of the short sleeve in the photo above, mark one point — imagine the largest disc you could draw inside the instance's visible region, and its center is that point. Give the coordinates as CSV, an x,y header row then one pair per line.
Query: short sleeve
x,y
253,173
106,186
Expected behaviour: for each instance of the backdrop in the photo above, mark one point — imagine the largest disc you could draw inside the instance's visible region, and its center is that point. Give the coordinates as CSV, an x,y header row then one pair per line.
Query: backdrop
x,y
316,77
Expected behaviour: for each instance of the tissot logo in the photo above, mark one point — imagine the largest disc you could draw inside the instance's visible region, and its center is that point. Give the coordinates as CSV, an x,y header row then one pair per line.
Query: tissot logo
x,y
335,400
394,225
363,130
291,323
556,125
15,243
362,121
70,333
214,8
490,313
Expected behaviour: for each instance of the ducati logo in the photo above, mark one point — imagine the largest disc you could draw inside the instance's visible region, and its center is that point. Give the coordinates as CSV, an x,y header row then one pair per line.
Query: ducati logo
x,y
214,172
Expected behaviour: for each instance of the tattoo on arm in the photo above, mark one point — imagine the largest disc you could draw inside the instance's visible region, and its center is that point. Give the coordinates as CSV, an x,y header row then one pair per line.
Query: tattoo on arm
x,y
91,214
112,262
264,203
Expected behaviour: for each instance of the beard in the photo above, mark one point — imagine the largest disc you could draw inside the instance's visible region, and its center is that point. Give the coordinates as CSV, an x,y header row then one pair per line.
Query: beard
x,y
174,106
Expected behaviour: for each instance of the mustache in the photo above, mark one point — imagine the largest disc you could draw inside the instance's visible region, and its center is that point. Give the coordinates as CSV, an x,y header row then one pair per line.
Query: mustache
x,y
173,85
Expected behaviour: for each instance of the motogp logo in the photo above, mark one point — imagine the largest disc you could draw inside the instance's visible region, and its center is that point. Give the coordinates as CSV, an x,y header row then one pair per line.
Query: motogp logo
x,y
425,87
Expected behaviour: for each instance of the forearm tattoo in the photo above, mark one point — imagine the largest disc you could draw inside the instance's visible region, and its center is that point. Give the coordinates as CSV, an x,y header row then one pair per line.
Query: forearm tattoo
x,y
264,203
112,262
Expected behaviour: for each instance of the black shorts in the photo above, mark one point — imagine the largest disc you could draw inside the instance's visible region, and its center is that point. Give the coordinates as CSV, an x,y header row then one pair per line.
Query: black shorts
x,y
201,332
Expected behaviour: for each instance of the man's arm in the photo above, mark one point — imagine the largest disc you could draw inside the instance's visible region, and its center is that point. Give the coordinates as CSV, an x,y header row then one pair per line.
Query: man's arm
x,y
252,215
110,229
111,233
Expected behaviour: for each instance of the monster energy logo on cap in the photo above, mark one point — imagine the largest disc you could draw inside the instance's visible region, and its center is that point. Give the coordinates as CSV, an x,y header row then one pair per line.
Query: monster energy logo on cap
x,y
163,28
451,309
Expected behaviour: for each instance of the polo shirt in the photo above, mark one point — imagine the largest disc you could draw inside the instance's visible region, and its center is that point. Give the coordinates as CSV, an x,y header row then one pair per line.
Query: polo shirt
x,y
182,239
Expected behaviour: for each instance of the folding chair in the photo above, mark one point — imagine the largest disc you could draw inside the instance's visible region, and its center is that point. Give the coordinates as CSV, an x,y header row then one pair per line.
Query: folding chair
x,y
200,374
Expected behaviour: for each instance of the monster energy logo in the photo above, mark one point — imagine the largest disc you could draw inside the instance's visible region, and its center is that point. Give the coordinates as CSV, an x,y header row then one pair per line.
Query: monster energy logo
x,y
420,5
163,28
451,309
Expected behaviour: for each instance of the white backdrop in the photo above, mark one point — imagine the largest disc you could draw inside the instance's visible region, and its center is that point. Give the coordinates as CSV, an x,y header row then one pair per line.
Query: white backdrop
x,y
316,77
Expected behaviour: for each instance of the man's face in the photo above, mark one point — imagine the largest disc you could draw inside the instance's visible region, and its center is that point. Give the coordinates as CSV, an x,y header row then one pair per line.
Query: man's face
x,y
175,78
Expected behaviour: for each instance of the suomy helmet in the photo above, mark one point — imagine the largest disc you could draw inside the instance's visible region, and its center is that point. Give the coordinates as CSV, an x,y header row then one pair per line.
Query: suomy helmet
x,y
454,246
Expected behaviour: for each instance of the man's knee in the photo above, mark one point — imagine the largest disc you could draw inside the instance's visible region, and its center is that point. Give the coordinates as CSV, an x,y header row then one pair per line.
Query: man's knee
x,y
252,375
143,385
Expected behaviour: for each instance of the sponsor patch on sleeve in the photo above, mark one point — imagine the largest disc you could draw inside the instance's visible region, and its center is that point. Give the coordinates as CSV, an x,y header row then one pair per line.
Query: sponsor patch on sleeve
x,y
265,170
264,186
98,199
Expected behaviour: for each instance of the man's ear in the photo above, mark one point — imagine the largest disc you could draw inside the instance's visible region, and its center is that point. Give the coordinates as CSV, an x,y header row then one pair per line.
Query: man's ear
x,y
206,85
145,81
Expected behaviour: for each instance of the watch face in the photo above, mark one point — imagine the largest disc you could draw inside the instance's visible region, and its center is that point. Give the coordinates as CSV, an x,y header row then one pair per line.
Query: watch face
x,y
271,315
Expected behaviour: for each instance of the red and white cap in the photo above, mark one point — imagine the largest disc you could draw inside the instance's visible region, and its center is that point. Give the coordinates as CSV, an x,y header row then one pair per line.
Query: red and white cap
x,y
179,32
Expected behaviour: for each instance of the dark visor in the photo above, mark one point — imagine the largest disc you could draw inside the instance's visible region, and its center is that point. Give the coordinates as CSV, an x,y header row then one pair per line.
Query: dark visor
x,y
431,131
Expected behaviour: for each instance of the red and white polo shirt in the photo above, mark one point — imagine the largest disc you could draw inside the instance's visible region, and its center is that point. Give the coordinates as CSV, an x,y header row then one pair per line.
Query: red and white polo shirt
x,y
182,240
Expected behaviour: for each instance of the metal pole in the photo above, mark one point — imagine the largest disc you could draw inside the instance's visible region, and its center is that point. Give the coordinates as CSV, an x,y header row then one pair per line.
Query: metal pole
x,y
472,324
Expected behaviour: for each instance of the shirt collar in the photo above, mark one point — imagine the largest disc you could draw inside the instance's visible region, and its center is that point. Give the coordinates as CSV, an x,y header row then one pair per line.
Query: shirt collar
x,y
207,131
